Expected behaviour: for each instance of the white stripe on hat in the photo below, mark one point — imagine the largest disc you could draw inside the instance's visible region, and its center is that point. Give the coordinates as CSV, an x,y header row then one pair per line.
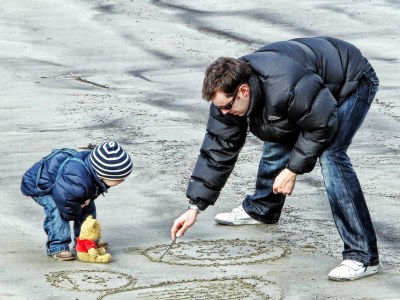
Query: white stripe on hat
x,y
110,152
110,170
110,165
107,175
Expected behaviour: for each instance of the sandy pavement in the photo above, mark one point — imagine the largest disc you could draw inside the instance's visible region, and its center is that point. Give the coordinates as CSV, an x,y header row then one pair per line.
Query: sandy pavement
x,y
147,60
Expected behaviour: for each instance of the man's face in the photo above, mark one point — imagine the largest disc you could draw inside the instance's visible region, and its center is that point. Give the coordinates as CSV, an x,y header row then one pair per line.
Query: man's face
x,y
237,105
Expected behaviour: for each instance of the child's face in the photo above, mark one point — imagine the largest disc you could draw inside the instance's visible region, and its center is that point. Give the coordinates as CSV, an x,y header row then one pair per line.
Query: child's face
x,y
111,183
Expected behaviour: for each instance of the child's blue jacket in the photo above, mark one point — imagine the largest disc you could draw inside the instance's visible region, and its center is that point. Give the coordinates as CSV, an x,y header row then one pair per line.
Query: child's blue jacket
x,y
70,185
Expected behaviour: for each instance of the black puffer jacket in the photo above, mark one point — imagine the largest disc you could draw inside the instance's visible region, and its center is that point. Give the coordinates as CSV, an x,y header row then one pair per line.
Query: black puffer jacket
x,y
295,90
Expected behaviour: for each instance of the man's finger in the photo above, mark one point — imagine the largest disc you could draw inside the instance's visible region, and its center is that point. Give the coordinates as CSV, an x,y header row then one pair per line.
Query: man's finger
x,y
175,228
277,190
173,233
182,230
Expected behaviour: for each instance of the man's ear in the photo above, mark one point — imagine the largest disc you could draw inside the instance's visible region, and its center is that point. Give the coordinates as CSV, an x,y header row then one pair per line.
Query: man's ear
x,y
244,89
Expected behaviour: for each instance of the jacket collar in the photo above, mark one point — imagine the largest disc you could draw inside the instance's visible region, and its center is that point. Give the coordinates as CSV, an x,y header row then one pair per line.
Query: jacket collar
x,y
255,95
99,182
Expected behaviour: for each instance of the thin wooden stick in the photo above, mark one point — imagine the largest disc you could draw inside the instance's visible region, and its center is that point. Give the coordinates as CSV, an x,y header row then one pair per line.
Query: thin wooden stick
x,y
88,81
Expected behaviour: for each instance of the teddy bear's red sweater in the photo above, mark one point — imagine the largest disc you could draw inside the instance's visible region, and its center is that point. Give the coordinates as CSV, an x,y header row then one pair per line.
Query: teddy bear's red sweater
x,y
84,245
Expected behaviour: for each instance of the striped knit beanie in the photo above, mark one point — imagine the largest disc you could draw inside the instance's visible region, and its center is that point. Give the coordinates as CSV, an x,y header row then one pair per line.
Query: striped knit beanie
x,y
110,161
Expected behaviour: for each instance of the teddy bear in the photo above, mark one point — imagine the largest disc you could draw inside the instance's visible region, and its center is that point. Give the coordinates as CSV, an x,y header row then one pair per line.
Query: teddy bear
x,y
87,249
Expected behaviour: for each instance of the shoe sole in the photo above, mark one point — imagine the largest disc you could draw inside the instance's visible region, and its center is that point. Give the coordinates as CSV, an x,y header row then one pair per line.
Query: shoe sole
x,y
367,273
238,223
63,258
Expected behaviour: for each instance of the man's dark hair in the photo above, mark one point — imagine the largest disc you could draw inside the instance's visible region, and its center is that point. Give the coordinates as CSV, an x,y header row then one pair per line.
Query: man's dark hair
x,y
225,74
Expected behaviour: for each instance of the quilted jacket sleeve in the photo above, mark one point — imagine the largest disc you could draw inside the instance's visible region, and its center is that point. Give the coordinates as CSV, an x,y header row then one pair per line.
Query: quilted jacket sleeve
x,y
314,110
222,143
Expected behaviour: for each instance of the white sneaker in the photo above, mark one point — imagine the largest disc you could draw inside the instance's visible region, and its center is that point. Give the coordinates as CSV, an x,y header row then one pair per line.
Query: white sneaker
x,y
236,217
351,270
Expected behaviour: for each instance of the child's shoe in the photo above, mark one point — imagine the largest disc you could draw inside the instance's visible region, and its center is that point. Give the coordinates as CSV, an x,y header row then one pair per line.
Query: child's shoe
x,y
63,255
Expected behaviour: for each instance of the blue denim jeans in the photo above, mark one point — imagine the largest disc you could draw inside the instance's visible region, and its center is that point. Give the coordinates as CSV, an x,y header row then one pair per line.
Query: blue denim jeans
x,y
349,209
57,229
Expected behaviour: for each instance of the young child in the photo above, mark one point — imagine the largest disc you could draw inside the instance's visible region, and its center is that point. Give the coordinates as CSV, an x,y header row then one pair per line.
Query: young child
x,y
66,183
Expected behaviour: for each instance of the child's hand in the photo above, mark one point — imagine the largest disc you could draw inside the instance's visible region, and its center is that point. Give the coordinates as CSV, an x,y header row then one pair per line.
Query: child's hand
x,y
86,203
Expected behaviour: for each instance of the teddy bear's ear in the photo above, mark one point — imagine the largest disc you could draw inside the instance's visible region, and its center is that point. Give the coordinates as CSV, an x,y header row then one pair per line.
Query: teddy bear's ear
x,y
90,217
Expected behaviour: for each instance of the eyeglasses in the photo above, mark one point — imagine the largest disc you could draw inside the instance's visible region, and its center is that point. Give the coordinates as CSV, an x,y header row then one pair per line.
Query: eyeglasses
x,y
230,104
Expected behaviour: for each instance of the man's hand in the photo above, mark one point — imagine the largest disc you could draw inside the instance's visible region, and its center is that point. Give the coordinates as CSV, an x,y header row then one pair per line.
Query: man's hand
x,y
86,203
284,182
183,222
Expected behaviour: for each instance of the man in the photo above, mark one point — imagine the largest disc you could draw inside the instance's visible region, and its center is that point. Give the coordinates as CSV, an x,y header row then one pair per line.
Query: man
x,y
305,98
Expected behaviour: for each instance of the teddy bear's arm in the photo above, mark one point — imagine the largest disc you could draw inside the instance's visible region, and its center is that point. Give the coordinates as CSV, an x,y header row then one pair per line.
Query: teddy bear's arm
x,y
93,252
101,250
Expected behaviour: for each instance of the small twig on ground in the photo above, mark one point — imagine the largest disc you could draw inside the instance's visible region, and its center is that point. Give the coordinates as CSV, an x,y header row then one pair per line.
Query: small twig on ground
x,y
90,146
55,76
88,81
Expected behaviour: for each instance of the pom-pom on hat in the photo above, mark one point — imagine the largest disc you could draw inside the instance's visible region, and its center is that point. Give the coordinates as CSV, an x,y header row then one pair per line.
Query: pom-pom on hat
x,y
110,161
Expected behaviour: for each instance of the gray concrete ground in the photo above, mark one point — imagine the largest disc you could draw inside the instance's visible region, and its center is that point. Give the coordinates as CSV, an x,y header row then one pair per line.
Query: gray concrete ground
x,y
152,55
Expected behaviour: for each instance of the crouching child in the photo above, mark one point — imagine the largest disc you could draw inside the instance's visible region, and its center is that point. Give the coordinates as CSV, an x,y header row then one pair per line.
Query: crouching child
x,y
66,182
